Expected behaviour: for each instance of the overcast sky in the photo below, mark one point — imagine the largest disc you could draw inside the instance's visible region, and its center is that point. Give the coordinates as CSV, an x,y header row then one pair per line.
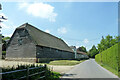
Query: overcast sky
x,y
77,23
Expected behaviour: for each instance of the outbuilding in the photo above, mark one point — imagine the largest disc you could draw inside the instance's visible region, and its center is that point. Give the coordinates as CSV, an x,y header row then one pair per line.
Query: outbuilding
x,y
28,43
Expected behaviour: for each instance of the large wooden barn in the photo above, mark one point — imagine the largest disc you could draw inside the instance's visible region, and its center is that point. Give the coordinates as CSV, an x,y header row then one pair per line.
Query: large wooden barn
x,y
30,44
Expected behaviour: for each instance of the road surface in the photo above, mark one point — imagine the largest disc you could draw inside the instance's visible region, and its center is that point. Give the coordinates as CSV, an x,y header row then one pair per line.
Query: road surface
x,y
89,69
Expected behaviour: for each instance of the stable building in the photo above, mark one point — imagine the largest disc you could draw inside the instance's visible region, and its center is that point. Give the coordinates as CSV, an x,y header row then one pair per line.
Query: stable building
x,y
31,44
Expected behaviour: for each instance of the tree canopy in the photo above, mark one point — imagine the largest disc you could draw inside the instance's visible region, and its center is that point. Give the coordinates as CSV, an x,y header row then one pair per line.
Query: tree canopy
x,y
93,51
107,42
82,48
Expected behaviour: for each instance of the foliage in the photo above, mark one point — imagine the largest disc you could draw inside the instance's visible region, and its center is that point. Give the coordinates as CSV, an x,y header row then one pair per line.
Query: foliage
x,y
109,68
54,76
107,42
49,75
3,54
82,48
109,57
4,43
92,52
5,38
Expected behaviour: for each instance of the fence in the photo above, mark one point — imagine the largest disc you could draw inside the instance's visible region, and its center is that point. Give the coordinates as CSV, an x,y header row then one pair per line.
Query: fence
x,y
27,70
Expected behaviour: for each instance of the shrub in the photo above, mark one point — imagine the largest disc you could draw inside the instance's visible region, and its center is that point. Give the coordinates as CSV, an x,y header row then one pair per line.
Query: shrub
x,y
3,54
110,57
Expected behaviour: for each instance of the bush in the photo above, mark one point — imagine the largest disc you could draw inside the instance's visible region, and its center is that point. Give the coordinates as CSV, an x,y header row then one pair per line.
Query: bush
x,y
110,57
3,54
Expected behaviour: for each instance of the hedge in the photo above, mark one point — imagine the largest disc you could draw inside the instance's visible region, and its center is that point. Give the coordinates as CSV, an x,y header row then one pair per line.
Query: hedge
x,y
110,57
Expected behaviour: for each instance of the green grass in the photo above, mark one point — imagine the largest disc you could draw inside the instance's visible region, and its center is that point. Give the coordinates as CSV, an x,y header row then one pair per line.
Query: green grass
x,y
65,62
54,76
109,68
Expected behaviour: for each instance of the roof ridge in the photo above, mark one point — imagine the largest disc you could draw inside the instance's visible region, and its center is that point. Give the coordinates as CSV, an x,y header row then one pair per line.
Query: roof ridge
x,y
62,44
25,25
22,26
42,31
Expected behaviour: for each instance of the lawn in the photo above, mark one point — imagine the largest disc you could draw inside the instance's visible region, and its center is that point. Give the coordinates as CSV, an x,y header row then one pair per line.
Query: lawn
x,y
65,62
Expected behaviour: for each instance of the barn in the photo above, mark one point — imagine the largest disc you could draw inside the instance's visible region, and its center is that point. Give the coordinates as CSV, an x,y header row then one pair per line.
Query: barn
x,y
31,44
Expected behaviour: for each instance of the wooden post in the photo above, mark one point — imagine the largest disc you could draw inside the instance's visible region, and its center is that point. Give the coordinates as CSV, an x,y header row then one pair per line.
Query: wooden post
x,y
45,65
45,70
27,73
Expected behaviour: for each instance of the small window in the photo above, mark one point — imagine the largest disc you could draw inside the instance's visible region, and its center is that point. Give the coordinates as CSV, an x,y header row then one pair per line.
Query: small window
x,y
20,41
38,53
56,50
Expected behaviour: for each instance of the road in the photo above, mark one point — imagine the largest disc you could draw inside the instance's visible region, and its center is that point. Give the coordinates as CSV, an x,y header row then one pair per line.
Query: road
x,y
89,69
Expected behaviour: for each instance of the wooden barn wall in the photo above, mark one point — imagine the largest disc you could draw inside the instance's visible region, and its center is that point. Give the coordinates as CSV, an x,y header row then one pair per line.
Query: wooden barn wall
x,y
46,52
21,46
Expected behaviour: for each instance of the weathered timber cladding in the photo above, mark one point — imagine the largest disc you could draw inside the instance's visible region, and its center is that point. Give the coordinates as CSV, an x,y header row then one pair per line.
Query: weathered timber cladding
x,y
28,42
46,52
21,46
80,56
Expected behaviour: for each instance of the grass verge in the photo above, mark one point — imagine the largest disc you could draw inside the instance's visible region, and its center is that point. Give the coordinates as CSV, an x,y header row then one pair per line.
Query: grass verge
x,y
55,75
65,62
109,68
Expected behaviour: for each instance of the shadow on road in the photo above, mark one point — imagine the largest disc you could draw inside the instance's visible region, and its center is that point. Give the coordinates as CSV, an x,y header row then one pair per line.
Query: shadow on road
x,y
68,75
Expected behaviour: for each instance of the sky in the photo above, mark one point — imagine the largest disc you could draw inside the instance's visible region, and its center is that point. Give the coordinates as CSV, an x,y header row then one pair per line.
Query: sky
x,y
77,23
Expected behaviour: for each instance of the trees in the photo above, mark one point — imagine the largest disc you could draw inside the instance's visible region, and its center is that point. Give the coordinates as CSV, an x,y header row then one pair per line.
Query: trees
x,y
107,42
93,51
104,44
4,41
82,48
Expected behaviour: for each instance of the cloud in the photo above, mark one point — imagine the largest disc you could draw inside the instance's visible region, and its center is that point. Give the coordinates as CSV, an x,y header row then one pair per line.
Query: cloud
x,y
41,10
23,5
7,28
48,31
77,46
86,41
7,25
62,30
2,14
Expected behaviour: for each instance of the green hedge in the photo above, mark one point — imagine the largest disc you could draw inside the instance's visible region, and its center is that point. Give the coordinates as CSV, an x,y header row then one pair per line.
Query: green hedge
x,y
110,57
119,60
